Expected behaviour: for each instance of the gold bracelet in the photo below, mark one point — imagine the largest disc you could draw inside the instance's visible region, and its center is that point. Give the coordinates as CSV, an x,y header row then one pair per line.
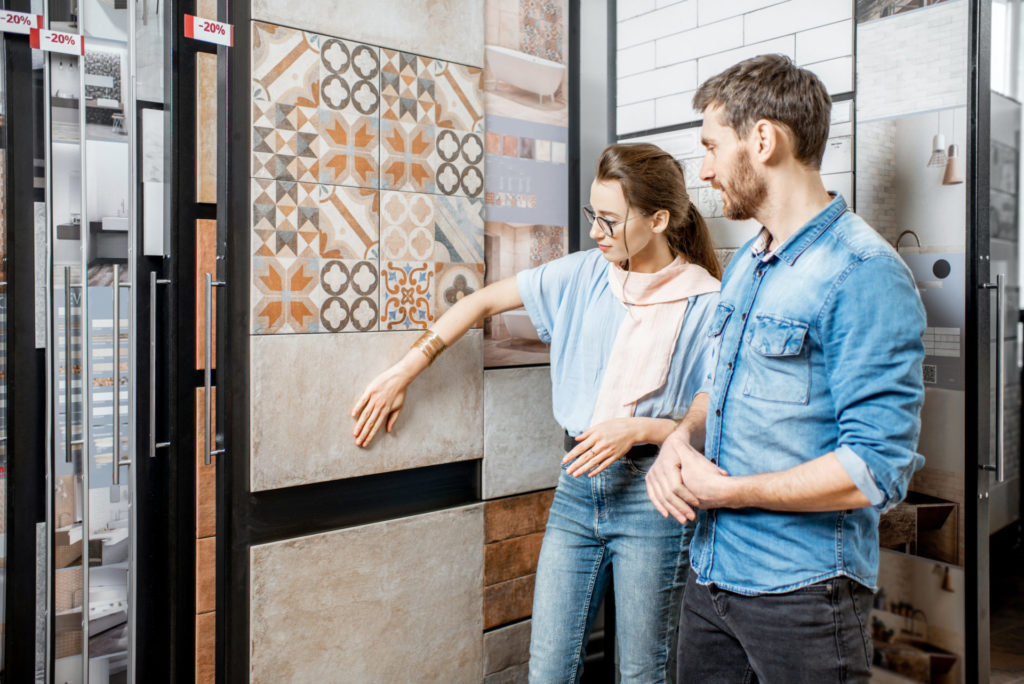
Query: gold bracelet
x,y
431,344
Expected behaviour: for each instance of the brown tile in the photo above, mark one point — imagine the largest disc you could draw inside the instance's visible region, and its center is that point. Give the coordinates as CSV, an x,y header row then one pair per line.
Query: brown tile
x,y
206,475
206,128
508,601
206,575
511,558
207,9
516,516
206,262
206,653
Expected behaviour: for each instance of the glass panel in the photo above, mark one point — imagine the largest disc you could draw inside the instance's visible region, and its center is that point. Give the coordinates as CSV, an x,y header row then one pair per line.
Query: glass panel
x,y
3,350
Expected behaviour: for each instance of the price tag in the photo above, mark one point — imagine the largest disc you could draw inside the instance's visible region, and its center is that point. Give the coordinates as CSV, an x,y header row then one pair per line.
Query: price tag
x,y
19,22
56,41
209,30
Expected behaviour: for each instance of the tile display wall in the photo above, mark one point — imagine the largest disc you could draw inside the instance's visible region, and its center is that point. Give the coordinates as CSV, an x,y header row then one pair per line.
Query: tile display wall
x,y
666,49
367,184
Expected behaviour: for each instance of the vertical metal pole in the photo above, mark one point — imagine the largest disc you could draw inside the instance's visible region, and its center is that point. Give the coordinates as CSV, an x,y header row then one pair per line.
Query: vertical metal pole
x,y
86,460
117,376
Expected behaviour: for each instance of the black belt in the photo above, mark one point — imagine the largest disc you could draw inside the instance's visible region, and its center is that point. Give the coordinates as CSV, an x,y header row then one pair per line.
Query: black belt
x,y
638,451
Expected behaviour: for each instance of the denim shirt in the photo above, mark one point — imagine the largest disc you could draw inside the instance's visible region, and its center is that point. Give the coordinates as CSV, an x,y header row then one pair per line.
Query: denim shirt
x,y
818,350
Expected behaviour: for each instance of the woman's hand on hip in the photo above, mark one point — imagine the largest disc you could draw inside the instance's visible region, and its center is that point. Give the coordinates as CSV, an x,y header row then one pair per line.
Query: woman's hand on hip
x,y
380,404
601,445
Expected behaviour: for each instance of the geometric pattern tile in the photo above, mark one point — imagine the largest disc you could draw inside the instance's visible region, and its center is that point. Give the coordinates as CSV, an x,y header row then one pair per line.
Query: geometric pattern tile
x,y
457,162
455,281
407,88
407,226
285,65
459,95
349,220
285,142
407,152
285,219
349,148
285,291
407,295
350,295
348,76
458,229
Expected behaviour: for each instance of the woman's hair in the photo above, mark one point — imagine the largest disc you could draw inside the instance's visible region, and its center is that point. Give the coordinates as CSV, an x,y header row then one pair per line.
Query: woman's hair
x,y
651,180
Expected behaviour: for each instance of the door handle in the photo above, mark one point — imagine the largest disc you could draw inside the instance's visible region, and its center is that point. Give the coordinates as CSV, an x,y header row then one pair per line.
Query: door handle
x,y
153,444
69,426
999,467
208,452
117,375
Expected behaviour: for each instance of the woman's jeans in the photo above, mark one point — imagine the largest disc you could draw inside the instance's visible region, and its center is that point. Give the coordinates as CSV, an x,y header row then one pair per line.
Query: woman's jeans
x,y
599,529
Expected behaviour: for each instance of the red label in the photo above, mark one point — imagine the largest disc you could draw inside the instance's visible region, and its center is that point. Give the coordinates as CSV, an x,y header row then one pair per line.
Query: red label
x,y
57,41
208,30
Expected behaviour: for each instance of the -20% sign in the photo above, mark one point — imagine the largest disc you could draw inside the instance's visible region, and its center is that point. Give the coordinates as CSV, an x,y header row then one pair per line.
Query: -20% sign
x,y
19,22
57,41
209,30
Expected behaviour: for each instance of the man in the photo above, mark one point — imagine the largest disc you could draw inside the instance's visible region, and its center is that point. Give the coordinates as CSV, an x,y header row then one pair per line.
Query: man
x,y
811,414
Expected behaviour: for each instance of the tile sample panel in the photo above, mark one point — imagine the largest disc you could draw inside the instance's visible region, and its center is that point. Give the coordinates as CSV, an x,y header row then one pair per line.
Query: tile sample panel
x,y
506,649
206,127
522,441
450,29
396,601
304,386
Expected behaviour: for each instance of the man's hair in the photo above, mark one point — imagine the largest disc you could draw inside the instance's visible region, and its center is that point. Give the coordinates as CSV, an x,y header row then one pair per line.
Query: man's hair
x,y
772,87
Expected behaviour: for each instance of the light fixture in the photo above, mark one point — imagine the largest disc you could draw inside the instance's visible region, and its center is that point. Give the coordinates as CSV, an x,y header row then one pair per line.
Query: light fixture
x,y
938,157
953,174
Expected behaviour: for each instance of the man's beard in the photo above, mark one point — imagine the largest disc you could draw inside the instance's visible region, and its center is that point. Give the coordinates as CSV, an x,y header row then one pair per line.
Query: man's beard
x,y
747,191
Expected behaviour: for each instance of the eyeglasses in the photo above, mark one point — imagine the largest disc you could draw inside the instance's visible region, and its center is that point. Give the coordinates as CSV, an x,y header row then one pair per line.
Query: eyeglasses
x,y
606,225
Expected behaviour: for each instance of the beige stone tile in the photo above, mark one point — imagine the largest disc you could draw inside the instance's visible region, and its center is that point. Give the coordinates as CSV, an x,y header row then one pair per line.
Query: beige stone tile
x,y
207,9
517,674
506,647
396,601
304,388
522,441
206,128
448,29
206,262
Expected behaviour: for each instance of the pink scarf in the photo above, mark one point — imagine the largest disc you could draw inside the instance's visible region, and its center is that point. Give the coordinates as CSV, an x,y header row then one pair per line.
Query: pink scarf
x,y
642,352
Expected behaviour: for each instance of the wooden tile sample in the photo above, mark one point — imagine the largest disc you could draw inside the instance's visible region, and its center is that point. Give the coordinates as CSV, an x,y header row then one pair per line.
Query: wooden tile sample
x,y
206,262
206,575
206,128
516,516
511,558
206,648
206,475
508,601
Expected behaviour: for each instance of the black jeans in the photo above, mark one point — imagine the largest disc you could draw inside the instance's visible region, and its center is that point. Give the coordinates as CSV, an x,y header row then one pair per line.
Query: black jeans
x,y
817,634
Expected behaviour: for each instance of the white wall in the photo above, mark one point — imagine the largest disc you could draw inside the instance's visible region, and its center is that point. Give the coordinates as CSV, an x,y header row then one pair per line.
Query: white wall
x,y
666,49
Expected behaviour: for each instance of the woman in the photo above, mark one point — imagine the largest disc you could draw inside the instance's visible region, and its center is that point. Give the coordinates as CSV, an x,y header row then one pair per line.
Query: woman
x,y
625,325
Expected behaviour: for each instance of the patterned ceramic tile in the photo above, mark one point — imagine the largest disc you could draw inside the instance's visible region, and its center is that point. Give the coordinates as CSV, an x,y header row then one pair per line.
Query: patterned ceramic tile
x,y
350,295
547,243
541,29
458,229
407,294
407,156
459,94
408,91
457,160
407,226
285,219
285,294
349,220
348,76
285,142
285,65
349,149
455,281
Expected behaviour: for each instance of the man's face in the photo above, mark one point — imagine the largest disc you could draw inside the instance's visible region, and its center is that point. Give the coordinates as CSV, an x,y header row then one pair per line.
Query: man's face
x,y
728,167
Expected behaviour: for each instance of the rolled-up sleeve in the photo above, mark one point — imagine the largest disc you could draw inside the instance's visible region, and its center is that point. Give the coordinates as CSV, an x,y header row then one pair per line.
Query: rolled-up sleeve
x,y
545,288
871,326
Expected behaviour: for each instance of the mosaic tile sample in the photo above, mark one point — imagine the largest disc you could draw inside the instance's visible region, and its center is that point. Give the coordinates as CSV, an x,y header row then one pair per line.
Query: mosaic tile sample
x,y
414,580
304,386
522,441
285,65
455,281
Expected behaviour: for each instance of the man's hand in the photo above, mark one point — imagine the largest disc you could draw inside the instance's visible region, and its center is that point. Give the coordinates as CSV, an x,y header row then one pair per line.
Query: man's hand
x,y
710,486
664,480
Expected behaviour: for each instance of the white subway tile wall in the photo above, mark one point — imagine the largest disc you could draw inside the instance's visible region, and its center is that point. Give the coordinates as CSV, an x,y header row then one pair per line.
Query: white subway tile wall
x,y
915,61
693,40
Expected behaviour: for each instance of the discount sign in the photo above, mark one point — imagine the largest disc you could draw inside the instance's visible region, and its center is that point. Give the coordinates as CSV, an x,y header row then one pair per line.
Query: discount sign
x,y
210,31
19,22
56,41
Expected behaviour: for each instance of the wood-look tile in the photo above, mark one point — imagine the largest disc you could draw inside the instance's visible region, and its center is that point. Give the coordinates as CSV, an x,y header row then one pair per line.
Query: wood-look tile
x,y
206,128
207,9
206,475
206,262
516,516
508,601
206,575
511,558
206,648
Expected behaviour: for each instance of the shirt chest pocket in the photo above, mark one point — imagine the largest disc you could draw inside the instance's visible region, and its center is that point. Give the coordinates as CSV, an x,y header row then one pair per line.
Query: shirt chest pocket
x,y
778,362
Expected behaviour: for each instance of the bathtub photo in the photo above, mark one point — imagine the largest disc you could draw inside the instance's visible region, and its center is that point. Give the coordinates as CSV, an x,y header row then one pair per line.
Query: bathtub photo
x,y
510,338
526,60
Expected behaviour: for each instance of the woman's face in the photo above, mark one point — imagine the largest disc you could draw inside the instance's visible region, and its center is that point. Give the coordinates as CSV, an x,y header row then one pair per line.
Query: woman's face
x,y
636,234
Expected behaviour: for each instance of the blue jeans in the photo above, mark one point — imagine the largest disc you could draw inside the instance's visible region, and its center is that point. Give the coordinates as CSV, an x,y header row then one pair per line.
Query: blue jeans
x,y
597,525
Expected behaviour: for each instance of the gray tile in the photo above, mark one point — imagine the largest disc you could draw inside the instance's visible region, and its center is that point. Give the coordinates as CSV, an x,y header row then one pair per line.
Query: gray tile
x,y
506,647
396,601
304,386
517,674
448,29
522,441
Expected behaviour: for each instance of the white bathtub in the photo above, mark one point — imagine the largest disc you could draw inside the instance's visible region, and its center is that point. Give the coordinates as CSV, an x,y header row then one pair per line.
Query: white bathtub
x,y
518,324
533,74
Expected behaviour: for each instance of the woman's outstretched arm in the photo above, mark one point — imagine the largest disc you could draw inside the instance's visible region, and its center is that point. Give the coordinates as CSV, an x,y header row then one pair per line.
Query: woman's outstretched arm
x,y
384,397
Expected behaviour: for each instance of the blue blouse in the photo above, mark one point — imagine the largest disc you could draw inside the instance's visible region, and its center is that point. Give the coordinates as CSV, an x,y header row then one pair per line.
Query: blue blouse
x,y
573,309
